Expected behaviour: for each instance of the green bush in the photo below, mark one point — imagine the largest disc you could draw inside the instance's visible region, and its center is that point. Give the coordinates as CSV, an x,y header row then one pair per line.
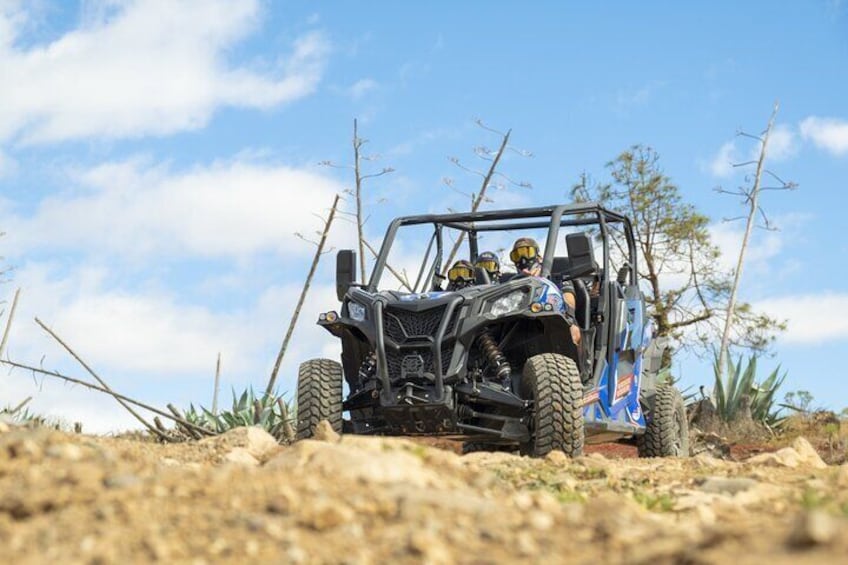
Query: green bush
x,y
743,381
268,411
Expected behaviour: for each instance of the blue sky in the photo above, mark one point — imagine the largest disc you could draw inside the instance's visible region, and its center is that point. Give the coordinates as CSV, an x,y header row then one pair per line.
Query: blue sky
x,y
157,157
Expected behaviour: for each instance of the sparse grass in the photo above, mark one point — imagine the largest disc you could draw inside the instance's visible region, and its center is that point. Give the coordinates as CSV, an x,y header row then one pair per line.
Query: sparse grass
x,y
811,499
662,502
21,415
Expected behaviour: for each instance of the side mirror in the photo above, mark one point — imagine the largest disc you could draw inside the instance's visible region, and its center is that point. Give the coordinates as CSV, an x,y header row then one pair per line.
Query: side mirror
x,y
345,271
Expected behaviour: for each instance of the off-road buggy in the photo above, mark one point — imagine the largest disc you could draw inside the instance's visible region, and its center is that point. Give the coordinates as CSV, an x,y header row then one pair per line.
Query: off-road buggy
x,y
494,364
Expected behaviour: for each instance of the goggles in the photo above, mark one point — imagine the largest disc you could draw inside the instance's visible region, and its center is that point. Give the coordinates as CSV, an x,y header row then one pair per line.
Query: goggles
x,y
460,273
523,252
491,266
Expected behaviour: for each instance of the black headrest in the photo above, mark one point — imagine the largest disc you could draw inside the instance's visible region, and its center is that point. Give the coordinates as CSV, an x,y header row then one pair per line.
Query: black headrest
x,y
560,269
580,253
481,276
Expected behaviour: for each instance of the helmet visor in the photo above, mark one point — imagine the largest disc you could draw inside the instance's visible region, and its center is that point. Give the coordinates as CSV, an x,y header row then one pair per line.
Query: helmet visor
x,y
491,266
460,272
523,252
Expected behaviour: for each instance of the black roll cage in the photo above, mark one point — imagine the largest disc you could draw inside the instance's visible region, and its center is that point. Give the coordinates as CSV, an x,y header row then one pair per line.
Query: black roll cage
x,y
553,217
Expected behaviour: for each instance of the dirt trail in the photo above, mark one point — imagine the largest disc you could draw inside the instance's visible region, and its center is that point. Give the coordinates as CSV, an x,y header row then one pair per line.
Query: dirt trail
x,y
239,497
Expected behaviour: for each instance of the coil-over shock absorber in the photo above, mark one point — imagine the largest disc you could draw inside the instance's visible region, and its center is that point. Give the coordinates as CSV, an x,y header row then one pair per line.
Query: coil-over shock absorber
x,y
495,358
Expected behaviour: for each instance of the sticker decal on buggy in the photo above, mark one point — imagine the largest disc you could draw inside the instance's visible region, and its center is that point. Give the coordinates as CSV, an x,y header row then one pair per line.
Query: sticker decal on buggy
x,y
623,386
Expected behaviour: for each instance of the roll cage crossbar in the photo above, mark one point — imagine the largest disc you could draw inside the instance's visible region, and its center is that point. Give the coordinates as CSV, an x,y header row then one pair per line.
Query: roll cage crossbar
x,y
551,217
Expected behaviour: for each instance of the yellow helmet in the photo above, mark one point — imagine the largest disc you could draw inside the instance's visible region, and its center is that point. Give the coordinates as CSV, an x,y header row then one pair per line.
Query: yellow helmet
x,y
524,249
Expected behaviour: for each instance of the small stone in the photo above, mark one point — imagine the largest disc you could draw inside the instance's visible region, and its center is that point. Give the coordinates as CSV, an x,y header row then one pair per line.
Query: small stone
x,y
523,501
557,457
326,515
124,480
800,454
241,456
325,432
251,548
706,515
429,547
25,448
257,442
541,521
809,455
814,527
842,476
727,485
526,545
87,544
66,451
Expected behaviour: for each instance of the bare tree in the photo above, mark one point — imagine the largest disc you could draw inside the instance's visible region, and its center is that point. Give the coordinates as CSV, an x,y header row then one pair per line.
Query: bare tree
x,y
359,177
318,252
751,196
491,177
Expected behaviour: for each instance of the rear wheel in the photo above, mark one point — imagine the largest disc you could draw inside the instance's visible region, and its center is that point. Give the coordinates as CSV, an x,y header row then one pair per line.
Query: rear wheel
x,y
552,382
319,396
667,434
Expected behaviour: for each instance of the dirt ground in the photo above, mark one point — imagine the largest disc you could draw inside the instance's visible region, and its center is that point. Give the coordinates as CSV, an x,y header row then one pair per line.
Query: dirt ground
x,y
239,497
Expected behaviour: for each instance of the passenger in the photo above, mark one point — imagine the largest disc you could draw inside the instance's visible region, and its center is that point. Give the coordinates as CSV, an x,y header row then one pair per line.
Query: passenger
x,y
528,261
460,275
490,263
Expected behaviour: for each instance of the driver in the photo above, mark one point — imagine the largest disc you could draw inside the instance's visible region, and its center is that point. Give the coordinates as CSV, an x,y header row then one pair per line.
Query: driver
x,y
528,261
490,263
460,275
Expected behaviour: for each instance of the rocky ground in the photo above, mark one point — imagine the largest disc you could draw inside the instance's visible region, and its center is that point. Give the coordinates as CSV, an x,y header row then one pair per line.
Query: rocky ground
x,y
240,497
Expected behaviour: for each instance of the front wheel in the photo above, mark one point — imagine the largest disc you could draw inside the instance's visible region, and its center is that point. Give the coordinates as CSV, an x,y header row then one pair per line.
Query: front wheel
x,y
667,434
553,383
319,396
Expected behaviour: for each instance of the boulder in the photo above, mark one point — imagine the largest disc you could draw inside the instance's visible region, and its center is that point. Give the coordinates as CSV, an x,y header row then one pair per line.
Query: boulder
x,y
800,454
258,443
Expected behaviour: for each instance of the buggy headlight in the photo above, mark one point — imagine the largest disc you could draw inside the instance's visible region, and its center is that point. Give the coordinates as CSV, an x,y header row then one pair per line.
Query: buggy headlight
x,y
356,311
509,303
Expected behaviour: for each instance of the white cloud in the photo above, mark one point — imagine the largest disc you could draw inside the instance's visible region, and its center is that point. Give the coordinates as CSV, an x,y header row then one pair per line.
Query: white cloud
x,y
782,146
151,331
143,68
137,209
722,164
762,248
830,134
812,319
8,165
152,345
628,99
362,87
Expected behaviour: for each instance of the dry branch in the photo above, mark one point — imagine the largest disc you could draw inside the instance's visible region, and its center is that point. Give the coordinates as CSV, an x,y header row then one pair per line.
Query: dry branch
x,y
270,388
9,322
752,198
478,199
179,418
114,394
217,382
402,279
91,372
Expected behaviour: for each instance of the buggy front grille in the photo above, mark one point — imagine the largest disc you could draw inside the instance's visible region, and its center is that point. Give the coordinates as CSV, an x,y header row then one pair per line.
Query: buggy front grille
x,y
402,325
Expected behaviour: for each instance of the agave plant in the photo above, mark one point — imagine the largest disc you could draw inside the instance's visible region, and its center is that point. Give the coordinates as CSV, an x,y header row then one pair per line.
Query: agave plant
x,y
268,411
742,382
